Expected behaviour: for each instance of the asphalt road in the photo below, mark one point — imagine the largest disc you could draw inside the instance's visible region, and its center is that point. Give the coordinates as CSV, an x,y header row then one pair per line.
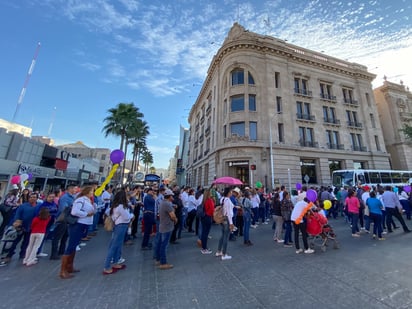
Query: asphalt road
x,y
363,273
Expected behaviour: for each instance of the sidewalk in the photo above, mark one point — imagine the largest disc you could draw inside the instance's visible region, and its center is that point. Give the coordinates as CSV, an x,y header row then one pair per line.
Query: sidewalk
x,y
363,273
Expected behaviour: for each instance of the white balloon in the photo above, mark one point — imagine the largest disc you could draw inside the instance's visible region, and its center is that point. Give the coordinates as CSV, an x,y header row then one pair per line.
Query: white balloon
x,y
24,177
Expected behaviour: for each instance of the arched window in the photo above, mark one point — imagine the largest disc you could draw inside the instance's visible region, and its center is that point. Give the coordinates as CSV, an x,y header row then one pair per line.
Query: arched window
x,y
238,77
250,78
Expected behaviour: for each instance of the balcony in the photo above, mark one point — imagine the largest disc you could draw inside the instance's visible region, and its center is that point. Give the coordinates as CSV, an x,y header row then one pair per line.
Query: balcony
x,y
308,144
335,146
208,109
327,97
303,92
196,143
206,152
207,131
349,101
305,117
355,124
359,148
331,121
201,138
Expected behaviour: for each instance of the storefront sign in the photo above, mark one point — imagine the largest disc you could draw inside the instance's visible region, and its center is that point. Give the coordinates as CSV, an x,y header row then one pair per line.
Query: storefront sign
x,y
27,169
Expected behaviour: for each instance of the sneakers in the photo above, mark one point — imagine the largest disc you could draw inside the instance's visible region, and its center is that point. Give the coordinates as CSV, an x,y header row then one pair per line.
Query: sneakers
x,y
206,251
355,235
42,254
78,248
166,266
226,257
121,261
309,251
299,251
287,246
218,253
280,241
82,244
381,238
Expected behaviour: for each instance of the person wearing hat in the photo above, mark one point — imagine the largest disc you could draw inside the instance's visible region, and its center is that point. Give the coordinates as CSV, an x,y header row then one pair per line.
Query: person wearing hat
x,y
148,218
167,219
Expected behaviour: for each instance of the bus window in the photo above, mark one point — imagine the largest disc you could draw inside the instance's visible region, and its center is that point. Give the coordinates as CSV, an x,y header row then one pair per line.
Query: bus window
x,y
374,177
367,180
361,179
405,177
386,177
396,178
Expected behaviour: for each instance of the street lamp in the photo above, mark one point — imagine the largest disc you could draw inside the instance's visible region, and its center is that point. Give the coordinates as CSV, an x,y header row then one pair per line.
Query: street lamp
x,y
272,173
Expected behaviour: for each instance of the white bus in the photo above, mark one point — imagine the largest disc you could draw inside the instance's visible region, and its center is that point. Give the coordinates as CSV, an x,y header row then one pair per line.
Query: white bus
x,y
363,177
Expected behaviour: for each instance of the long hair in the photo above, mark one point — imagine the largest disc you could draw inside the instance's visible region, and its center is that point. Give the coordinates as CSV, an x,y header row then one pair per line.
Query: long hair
x,y
85,190
227,191
206,195
44,213
120,198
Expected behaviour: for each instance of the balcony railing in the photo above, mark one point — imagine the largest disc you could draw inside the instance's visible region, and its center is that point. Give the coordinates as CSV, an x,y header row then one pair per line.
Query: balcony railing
x,y
350,101
359,148
328,97
305,117
336,146
309,144
303,92
354,124
331,121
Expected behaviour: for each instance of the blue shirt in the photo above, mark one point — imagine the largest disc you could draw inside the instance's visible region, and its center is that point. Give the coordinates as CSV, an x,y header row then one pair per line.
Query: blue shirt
x,y
149,203
375,205
66,200
26,213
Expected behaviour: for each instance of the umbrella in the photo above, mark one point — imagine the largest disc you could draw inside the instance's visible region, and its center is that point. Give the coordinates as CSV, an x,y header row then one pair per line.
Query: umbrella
x,y
227,181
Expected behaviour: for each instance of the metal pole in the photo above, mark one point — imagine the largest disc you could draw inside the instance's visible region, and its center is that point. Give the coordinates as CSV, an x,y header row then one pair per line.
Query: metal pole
x,y
290,182
271,155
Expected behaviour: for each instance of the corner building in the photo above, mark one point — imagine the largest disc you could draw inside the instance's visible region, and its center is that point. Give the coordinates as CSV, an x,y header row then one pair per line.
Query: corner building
x,y
271,110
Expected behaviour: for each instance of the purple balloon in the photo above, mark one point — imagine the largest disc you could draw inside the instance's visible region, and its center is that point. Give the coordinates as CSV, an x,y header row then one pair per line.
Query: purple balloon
x,y
311,195
298,186
30,176
407,189
116,156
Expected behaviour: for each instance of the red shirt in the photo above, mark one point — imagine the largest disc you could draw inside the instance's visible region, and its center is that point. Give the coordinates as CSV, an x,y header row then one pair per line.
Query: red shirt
x,y
209,207
38,225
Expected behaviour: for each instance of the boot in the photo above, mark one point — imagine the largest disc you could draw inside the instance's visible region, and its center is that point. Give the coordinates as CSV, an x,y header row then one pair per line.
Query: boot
x,y
63,270
70,269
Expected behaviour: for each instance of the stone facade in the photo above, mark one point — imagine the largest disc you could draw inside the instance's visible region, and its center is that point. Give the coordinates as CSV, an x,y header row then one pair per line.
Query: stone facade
x,y
286,110
394,103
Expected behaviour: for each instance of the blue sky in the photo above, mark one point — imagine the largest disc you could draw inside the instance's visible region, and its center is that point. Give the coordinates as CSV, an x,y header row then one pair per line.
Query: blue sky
x,y
97,53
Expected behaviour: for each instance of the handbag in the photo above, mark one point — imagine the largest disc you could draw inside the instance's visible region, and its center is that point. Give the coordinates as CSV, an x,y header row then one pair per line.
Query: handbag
x,y
68,217
108,224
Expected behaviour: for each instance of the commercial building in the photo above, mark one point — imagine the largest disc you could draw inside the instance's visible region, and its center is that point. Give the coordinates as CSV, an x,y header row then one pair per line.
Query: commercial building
x,y
394,102
277,113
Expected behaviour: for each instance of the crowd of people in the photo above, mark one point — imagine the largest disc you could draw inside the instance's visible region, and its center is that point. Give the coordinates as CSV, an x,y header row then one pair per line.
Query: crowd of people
x,y
70,218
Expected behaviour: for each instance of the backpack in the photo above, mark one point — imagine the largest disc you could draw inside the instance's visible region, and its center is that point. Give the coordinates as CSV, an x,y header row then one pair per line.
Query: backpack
x,y
218,215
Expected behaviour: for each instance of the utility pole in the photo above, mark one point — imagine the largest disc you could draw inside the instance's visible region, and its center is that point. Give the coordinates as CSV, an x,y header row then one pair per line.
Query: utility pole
x,y
26,82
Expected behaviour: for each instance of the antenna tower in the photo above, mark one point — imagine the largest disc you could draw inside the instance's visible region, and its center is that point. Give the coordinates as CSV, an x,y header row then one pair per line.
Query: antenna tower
x,y
26,82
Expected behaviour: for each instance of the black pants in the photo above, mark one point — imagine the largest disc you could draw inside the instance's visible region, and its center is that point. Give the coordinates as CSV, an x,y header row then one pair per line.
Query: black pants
x,y
59,239
135,223
302,229
26,238
394,212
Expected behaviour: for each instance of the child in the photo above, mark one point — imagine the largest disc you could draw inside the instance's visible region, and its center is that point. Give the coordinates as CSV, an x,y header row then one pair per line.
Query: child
x,y
38,230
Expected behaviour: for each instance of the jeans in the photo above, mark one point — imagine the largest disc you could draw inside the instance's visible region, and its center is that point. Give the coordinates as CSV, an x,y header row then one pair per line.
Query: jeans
x,y
156,239
190,218
26,238
162,245
224,237
206,223
255,217
377,223
116,243
279,227
76,233
355,219
262,213
288,232
302,229
407,207
148,220
246,225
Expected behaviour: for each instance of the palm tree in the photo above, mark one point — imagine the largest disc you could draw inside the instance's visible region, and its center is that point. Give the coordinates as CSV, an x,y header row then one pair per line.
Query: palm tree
x,y
137,138
119,122
147,159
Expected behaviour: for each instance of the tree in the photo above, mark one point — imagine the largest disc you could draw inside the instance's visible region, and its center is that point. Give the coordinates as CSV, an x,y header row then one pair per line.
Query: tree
x,y
137,138
147,159
119,122
407,130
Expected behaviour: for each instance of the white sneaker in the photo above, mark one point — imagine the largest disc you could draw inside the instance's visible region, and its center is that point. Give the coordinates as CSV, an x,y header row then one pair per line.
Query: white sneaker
x,y
78,248
206,251
226,257
121,261
299,251
265,222
384,233
309,251
280,241
42,254
217,254
82,244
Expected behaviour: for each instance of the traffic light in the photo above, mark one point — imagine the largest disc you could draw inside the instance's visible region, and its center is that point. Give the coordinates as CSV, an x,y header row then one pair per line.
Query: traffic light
x,y
253,167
